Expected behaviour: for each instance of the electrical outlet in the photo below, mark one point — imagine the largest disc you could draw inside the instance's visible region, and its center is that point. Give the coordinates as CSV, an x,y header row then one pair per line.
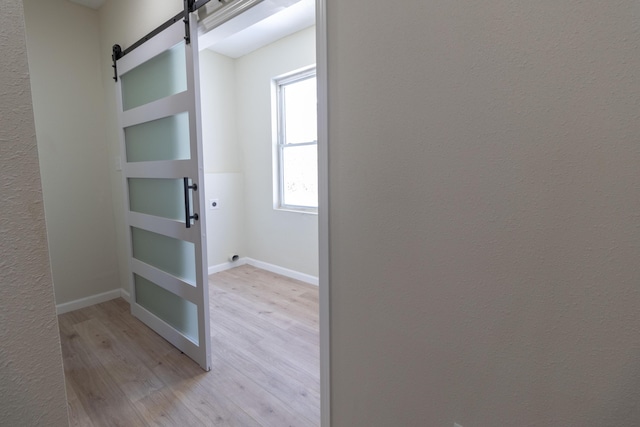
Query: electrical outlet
x,y
214,204
456,425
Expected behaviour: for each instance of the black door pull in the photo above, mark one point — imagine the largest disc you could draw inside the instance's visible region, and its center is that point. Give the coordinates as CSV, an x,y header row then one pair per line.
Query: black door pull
x,y
187,205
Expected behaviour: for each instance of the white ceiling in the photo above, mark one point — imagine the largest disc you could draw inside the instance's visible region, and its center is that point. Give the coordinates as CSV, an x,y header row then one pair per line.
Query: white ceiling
x,y
264,25
93,4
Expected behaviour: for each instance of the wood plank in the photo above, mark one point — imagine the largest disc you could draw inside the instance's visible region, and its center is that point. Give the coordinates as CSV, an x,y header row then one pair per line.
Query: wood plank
x,y
303,399
194,388
144,342
134,379
78,417
98,393
258,402
163,408
265,360
262,293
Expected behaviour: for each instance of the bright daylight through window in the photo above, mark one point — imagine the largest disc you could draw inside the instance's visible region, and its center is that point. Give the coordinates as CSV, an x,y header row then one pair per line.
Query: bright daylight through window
x,y
297,141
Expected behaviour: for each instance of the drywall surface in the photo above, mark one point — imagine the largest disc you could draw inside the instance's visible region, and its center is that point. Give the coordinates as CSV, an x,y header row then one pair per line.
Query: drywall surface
x,y
286,239
124,22
484,213
68,102
225,225
222,158
222,152
31,378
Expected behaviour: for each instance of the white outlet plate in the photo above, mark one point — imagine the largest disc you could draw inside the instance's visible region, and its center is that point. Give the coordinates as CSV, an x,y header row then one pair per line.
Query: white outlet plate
x,y
214,204
456,425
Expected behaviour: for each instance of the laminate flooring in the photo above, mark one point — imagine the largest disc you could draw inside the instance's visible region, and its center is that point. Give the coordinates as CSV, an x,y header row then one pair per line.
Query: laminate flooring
x,y
265,360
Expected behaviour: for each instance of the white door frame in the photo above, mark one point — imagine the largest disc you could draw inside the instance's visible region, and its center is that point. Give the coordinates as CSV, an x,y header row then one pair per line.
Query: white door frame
x,y
323,212
240,7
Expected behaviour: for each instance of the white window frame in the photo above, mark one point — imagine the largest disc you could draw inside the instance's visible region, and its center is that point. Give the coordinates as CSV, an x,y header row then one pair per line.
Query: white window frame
x,y
279,134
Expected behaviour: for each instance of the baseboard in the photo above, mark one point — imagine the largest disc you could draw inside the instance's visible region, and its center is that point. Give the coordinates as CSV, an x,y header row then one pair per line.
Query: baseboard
x,y
307,278
227,266
88,301
121,293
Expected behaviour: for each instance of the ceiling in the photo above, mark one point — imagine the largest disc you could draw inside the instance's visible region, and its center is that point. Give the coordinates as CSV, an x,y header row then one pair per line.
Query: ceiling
x,y
262,24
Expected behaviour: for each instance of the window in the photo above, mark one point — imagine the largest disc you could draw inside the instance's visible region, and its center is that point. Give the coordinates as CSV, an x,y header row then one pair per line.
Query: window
x,y
297,142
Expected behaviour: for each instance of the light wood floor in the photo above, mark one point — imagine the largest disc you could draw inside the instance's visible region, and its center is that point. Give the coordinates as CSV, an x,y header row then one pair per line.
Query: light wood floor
x,y
265,360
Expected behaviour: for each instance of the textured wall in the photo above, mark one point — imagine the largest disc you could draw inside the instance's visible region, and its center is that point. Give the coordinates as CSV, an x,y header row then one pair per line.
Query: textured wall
x,y
31,380
485,212
68,103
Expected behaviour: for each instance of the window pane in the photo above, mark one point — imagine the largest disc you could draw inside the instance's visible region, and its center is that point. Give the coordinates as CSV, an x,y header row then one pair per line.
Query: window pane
x,y
300,109
300,180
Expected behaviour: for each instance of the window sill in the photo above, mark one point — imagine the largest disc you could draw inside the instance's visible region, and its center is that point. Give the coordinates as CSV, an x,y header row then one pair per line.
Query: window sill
x,y
298,211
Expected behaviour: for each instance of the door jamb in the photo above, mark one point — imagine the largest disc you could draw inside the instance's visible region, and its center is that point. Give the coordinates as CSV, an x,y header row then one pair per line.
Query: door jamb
x,y
323,212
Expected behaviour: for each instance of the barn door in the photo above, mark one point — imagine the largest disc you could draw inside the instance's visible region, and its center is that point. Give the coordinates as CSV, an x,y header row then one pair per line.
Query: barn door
x,y
158,104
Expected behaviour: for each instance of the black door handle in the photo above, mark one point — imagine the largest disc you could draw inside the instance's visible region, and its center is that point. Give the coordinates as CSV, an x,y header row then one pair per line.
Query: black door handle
x,y
187,205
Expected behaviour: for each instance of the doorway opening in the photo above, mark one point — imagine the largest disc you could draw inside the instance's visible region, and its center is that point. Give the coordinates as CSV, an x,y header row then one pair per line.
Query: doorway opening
x,y
263,253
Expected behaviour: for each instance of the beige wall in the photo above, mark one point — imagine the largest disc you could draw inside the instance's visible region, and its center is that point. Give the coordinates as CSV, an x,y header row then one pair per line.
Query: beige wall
x,y
485,237
68,100
31,378
285,239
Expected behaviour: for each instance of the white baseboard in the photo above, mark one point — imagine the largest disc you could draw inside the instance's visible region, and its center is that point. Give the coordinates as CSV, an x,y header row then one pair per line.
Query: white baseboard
x,y
121,293
125,295
307,278
88,301
227,266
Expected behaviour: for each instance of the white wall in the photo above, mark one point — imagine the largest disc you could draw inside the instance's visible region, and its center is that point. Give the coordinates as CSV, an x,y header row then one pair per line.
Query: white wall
x,y
222,153
68,99
285,239
484,200
31,377
222,157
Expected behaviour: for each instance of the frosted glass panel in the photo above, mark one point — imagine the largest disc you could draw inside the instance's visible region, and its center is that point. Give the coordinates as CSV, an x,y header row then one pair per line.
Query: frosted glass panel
x,y
173,256
157,196
176,311
157,140
161,76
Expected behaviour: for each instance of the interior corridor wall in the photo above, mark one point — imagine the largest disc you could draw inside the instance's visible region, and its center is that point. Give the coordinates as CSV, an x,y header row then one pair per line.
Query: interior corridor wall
x,y
31,378
484,211
285,239
68,101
